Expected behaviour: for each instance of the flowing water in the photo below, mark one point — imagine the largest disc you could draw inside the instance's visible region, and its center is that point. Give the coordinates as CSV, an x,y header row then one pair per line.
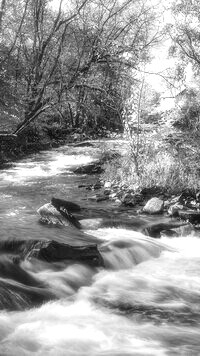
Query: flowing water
x,y
146,301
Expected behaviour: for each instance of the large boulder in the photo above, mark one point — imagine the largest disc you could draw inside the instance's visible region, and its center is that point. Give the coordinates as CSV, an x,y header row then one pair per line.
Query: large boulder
x,y
52,251
154,206
68,205
50,215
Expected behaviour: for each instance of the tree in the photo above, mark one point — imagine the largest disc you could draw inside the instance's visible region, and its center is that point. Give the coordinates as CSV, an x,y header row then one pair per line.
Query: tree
x,y
108,41
41,42
185,33
76,63
2,8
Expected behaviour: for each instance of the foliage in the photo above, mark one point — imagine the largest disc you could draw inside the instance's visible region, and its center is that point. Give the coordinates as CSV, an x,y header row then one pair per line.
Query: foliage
x,y
160,166
187,112
185,34
76,63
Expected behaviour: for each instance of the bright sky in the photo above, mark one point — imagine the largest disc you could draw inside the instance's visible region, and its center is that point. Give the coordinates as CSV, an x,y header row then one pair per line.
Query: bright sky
x,y
55,4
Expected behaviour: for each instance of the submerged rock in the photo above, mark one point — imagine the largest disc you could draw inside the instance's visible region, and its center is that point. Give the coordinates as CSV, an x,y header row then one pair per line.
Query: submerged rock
x,y
185,230
91,168
99,197
102,197
19,289
168,233
154,206
190,215
154,230
97,185
84,144
15,296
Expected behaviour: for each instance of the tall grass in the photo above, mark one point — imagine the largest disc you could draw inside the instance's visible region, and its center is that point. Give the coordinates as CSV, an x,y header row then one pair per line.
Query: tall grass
x,y
158,167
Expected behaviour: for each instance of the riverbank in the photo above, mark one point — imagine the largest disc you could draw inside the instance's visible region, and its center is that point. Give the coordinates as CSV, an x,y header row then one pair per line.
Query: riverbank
x,y
14,148
182,204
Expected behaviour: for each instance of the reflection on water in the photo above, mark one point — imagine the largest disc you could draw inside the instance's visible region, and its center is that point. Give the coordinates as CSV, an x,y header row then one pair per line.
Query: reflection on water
x,y
144,302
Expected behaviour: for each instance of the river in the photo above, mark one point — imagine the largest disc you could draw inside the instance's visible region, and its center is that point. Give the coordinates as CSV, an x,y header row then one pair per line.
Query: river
x,y
146,301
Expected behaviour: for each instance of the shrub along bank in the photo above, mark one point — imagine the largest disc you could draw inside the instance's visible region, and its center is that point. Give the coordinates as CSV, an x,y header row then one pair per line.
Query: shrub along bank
x,y
31,140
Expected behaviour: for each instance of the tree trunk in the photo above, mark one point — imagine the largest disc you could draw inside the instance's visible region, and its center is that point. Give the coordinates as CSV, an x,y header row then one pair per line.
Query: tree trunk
x,y
2,9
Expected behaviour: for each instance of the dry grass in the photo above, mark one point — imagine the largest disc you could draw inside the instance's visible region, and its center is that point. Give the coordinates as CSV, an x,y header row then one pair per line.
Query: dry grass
x,y
157,167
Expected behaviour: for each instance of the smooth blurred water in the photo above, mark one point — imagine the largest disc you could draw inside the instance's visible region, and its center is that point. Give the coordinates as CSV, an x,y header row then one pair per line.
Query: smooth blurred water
x,y
146,301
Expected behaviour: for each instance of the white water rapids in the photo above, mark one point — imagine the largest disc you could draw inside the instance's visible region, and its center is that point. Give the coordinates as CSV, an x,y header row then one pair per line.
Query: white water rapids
x,y
146,301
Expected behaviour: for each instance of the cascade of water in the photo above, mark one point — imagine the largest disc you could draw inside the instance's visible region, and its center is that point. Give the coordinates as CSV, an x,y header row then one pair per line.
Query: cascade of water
x,y
144,301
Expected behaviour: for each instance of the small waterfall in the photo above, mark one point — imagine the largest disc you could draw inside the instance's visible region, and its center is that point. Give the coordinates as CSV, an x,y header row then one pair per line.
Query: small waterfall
x,y
125,249
144,301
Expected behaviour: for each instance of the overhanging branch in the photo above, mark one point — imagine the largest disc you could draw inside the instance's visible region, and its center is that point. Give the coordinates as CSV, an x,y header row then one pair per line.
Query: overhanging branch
x,y
26,122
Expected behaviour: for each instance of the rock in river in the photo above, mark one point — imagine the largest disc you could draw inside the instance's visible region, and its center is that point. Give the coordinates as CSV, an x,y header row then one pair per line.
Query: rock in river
x,y
91,168
52,251
59,216
154,206
50,214
19,289
155,229
61,203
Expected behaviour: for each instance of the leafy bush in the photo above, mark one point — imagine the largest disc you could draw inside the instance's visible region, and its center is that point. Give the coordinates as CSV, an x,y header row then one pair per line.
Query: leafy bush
x,y
158,167
187,112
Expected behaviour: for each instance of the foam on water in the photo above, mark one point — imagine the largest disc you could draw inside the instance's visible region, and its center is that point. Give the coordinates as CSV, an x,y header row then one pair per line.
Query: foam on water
x,y
124,248
148,308
87,326
189,246
144,302
54,165
73,329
